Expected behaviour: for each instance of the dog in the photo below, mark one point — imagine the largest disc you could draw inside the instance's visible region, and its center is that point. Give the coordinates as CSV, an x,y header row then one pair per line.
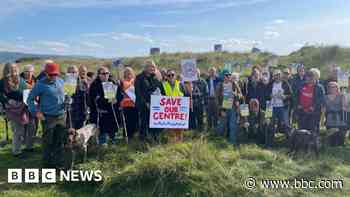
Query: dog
x,y
336,137
82,139
303,140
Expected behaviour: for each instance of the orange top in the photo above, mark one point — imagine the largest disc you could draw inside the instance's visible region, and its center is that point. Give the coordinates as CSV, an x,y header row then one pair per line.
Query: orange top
x,y
127,101
30,83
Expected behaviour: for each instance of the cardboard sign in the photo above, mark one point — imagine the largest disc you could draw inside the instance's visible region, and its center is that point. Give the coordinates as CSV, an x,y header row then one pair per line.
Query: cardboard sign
x,y
70,83
189,70
109,90
25,95
268,113
244,110
169,112
227,103
343,79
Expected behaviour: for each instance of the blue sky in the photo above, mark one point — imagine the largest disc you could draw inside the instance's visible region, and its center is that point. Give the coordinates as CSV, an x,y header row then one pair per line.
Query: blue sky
x,y
115,28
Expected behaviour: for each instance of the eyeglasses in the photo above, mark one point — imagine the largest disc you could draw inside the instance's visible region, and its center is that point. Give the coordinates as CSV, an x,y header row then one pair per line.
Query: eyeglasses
x,y
227,75
105,73
171,75
53,75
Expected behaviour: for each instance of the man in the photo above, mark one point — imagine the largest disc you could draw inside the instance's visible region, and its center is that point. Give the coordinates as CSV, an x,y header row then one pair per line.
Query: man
x,y
212,107
42,74
51,112
310,100
297,83
147,84
199,97
28,75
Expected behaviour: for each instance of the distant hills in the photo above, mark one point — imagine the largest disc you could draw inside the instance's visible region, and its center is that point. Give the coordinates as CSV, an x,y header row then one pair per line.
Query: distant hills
x,y
6,56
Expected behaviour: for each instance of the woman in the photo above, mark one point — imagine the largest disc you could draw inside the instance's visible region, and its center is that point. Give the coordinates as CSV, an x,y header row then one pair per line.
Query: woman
x,y
172,88
103,111
334,106
11,96
79,105
229,96
126,100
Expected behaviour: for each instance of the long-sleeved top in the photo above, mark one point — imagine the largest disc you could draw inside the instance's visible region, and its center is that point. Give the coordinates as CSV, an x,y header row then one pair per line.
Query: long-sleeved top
x,y
51,96
16,95
144,88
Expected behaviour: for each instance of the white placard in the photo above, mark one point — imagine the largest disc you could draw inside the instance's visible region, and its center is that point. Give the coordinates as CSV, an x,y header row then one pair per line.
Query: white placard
x,y
109,90
70,83
25,95
169,112
189,70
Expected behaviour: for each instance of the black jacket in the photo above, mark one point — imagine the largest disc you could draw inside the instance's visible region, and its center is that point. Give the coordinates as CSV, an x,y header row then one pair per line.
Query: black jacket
x,y
144,87
96,96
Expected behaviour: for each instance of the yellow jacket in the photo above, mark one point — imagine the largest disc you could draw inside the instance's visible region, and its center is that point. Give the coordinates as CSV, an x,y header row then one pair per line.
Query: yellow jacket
x,y
169,91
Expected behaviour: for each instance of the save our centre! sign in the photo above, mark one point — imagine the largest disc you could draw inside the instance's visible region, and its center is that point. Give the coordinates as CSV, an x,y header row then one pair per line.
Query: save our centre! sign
x,y
169,112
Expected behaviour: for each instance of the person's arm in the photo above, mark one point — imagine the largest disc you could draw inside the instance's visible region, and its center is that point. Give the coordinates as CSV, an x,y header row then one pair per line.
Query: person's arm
x,y
140,93
33,95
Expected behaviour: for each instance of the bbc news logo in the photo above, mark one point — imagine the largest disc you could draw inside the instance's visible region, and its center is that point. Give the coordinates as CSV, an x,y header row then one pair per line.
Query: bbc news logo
x,y
52,176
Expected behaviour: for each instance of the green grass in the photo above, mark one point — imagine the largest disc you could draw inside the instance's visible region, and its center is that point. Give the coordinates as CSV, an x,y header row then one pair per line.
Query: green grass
x,y
201,166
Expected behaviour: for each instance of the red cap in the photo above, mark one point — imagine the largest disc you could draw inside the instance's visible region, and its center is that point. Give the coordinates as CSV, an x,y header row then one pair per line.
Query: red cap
x,y
52,68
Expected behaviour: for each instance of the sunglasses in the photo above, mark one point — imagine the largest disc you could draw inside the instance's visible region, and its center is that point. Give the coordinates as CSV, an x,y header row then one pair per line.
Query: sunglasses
x,y
171,75
53,75
227,75
105,73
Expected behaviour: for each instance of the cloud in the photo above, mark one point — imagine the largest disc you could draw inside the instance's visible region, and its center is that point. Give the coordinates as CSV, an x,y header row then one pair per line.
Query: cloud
x,y
92,45
278,21
54,44
154,26
271,35
131,37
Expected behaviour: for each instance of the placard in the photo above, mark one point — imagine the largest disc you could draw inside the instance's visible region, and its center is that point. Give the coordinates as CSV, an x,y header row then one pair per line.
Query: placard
x,y
70,83
26,95
244,110
189,70
268,113
109,90
169,112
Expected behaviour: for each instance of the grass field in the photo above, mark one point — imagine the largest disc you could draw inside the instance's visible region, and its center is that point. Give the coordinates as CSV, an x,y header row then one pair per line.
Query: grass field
x,y
204,165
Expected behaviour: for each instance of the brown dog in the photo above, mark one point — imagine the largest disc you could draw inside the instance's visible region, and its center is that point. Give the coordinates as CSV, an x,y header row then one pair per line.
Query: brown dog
x,y
303,140
82,139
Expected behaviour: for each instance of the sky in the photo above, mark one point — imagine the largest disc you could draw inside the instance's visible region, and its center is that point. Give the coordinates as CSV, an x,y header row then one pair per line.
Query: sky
x,y
119,28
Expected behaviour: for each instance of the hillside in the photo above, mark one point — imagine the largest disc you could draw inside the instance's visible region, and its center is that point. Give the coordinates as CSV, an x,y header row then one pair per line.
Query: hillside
x,y
311,56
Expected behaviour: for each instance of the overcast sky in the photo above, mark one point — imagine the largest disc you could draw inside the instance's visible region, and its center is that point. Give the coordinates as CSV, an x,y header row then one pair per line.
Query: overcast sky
x,y
115,28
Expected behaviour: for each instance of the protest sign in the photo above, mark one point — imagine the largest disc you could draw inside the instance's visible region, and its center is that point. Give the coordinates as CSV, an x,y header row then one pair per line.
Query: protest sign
x,y
343,78
227,103
25,95
189,69
70,83
109,90
169,112
244,110
268,113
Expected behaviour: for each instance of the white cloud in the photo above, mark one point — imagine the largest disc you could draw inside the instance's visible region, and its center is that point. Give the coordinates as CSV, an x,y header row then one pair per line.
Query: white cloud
x,y
131,37
279,21
271,35
54,44
154,26
92,45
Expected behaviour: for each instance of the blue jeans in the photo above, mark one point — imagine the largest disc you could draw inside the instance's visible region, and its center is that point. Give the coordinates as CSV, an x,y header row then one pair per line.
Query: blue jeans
x,y
281,115
230,122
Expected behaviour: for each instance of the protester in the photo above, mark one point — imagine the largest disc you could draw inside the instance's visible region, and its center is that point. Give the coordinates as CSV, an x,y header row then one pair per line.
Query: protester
x,y
28,75
212,107
347,105
147,84
11,95
79,108
334,107
104,112
31,128
126,98
281,95
172,88
254,87
51,112
310,100
229,95
332,75
199,96
42,73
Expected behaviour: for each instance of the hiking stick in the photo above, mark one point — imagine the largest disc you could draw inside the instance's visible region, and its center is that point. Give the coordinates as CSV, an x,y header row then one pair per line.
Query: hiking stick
x,y
124,126
7,129
114,115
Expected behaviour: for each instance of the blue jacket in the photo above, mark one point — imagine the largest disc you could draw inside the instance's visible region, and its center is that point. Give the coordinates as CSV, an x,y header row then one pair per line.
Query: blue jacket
x,y
216,82
51,96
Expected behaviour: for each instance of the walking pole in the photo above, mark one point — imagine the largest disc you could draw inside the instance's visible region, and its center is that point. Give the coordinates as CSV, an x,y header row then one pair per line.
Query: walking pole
x,y
124,126
7,129
114,115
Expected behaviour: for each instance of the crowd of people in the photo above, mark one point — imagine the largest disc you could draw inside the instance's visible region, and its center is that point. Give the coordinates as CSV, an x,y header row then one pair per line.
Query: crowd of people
x,y
294,99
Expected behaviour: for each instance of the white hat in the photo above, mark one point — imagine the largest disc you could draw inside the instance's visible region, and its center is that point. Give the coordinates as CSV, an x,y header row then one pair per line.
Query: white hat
x,y
28,67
